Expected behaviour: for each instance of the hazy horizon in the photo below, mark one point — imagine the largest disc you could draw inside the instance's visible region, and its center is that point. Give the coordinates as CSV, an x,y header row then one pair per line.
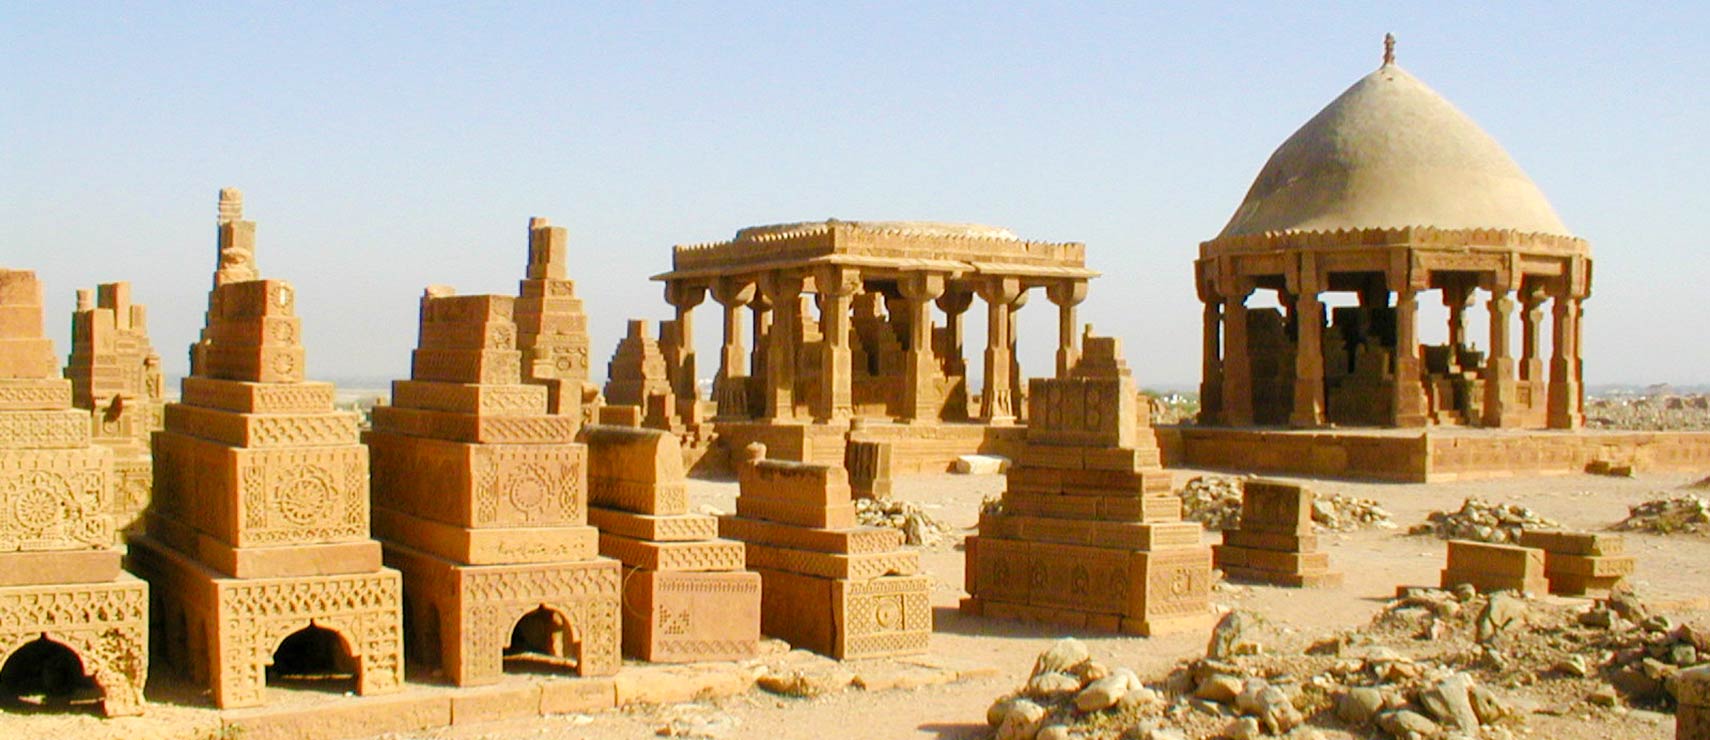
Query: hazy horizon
x,y
385,148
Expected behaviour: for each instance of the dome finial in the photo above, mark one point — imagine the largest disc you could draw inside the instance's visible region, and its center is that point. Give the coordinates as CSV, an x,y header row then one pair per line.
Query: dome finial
x,y
1388,49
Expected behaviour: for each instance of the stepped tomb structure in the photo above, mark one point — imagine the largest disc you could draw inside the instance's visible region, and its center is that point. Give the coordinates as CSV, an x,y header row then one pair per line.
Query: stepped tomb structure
x,y
638,386
1581,563
1088,533
1490,567
875,350
257,544
61,586
115,374
480,497
686,595
1275,543
829,586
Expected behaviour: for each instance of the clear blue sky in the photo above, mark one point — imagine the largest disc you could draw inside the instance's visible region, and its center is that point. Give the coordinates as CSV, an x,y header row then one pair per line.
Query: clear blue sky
x,y
383,147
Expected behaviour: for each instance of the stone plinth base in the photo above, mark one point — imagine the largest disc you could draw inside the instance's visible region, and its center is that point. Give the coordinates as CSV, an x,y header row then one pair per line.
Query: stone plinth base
x,y
106,624
224,631
1495,567
462,616
685,617
1140,592
1428,456
1581,563
844,619
916,448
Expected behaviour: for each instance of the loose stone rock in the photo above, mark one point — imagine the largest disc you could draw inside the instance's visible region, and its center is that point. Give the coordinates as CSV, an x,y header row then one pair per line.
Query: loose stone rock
x,y
1359,705
1061,657
1102,694
1050,685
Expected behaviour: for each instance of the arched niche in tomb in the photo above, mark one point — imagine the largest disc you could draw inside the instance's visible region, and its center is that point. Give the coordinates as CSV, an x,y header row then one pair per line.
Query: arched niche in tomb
x,y
45,674
543,638
314,657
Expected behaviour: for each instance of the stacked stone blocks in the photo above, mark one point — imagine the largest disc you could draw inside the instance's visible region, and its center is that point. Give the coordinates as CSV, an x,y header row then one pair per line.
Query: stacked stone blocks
x,y
1581,563
60,576
1087,533
1275,543
830,586
115,375
480,498
686,594
259,524
1490,567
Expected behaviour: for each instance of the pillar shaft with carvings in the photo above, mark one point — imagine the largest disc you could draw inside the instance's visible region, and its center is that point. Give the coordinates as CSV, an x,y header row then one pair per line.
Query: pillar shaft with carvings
x,y
837,288
996,403
921,400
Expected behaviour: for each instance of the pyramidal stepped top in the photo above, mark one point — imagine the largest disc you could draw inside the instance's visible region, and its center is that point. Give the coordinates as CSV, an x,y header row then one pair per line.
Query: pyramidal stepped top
x,y
1389,153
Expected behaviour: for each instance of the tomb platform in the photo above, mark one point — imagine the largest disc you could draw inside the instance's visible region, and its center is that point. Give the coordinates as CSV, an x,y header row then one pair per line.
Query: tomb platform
x,y
687,595
1428,456
930,447
829,586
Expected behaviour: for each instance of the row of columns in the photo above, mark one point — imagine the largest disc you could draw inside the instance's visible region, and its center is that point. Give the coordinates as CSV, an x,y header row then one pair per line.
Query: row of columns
x,y
1227,378
774,300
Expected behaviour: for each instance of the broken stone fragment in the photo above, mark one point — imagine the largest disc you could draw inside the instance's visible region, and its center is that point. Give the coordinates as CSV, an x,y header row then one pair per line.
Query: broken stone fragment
x,y
1226,636
1102,694
1406,722
1052,685
1061,657
1220,688
1244,728
1053,732
1276,711
1021,720
1359,705
1448,701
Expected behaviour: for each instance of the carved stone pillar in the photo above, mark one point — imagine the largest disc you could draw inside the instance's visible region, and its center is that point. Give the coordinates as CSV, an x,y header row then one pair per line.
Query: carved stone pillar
x,y
920,398
837,288
1211,363
684,298
732,294
782,290
761,314
1499,396
954,303
1566,407
1308,362
1237,374
996,401
1457,297
1067,295
1531,329
1409,408
1017,381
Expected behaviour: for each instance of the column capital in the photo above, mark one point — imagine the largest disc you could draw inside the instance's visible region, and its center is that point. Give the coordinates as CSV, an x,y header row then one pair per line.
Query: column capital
x,y
999,290
778,287
684,296
955,300
1066,292
921,286
837,280
733,291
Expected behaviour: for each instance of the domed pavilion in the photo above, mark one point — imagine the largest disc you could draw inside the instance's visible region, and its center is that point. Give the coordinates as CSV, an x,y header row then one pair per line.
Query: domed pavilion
x,y
1391,192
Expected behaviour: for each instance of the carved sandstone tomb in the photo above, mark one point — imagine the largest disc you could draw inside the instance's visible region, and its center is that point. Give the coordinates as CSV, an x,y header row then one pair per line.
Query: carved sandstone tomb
x,y
257,539
61,587
1275,543
115,374
480,499
1489,567
1581,563
686,596
1087,533
830,586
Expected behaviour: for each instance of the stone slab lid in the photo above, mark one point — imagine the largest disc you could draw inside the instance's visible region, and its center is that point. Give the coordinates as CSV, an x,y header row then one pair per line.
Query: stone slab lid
x,y
1388,153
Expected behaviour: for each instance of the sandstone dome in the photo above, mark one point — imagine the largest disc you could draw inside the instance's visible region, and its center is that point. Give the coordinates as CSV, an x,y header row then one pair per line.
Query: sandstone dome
x,y
1389,153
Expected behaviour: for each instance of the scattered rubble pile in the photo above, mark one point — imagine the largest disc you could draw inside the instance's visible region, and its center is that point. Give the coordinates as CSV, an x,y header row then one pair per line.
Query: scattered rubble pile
x,y
1433,663
1215,501
1661,411
918,527
1689,514
1483,521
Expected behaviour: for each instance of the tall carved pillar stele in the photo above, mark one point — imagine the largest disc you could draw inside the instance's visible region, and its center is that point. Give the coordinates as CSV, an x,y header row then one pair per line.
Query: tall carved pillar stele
x,y
1211,362
1565,407
1409,408
1237,375
1067,295
837,288
996,403
732,294
1308,363
782,290
1499,401
920,397
684,298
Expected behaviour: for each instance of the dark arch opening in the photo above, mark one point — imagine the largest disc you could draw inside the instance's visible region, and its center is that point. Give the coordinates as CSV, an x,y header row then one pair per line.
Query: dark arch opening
x,y
541,642
46,675
313,658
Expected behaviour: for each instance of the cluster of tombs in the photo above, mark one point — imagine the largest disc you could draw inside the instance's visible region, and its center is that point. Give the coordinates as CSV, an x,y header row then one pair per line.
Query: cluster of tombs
x,y
502,508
